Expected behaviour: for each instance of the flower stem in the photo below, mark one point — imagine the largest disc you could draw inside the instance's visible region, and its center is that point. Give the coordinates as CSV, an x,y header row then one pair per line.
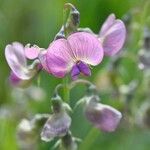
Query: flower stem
x,y
89,140
66,90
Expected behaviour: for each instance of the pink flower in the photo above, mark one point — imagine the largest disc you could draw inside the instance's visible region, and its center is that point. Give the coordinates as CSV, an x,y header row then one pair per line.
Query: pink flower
x,y
21,73
112,35
73,54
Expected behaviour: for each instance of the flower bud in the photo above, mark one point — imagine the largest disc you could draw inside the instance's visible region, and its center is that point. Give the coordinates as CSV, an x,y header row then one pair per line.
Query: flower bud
x,y
69,142
26,136
102,116
58,123
73,19
60,34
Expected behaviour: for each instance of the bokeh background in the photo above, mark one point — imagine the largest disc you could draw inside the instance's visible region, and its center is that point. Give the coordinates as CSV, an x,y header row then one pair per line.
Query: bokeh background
x,y
121,83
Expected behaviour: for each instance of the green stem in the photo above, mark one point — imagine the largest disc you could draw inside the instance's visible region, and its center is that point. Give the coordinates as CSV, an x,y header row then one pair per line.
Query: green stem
x,y
66,90
89,140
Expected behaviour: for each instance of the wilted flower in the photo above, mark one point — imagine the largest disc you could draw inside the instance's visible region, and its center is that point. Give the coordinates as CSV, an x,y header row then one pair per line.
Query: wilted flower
x,y
58,123
73,54
112,35
102,116
21,73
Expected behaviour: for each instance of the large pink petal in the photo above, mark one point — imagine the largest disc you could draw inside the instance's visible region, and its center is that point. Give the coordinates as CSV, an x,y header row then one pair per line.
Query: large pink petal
x,y
86,47
59,58
16,60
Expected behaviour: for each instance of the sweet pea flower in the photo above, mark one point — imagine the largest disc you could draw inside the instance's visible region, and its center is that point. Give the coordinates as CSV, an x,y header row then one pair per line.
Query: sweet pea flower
x,y
73,54
103,117
112,35
21,73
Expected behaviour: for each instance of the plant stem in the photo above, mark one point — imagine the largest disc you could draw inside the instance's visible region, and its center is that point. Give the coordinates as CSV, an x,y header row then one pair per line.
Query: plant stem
x,y
66,90
89,140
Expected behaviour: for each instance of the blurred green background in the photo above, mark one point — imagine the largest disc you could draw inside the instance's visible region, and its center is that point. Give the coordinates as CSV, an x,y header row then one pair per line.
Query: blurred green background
x,y
37,22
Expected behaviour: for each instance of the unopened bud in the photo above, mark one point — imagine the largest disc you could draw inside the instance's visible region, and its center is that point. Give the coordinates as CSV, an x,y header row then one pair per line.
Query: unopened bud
x,y
57,125
73,19
60,34
102,116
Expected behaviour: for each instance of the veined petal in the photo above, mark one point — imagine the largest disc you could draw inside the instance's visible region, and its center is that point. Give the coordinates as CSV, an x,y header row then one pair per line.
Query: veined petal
x,y
59,58
15,57
86,48
112,36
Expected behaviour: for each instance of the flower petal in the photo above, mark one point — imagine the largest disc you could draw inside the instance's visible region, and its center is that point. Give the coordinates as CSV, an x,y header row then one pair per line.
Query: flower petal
x,y
112,35
59,58
86,47
84,69
75,72
32,52
15,57
107,24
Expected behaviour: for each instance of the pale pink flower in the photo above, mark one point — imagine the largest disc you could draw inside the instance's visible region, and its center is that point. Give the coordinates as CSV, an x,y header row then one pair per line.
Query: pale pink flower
x,y
21,72
73,54
112,35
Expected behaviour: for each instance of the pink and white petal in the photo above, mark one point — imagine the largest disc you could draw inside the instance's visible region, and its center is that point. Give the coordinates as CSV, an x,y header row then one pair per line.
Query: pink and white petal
x,y
59,58
31,52
107,24
86,47
16,60
114,38
15,52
